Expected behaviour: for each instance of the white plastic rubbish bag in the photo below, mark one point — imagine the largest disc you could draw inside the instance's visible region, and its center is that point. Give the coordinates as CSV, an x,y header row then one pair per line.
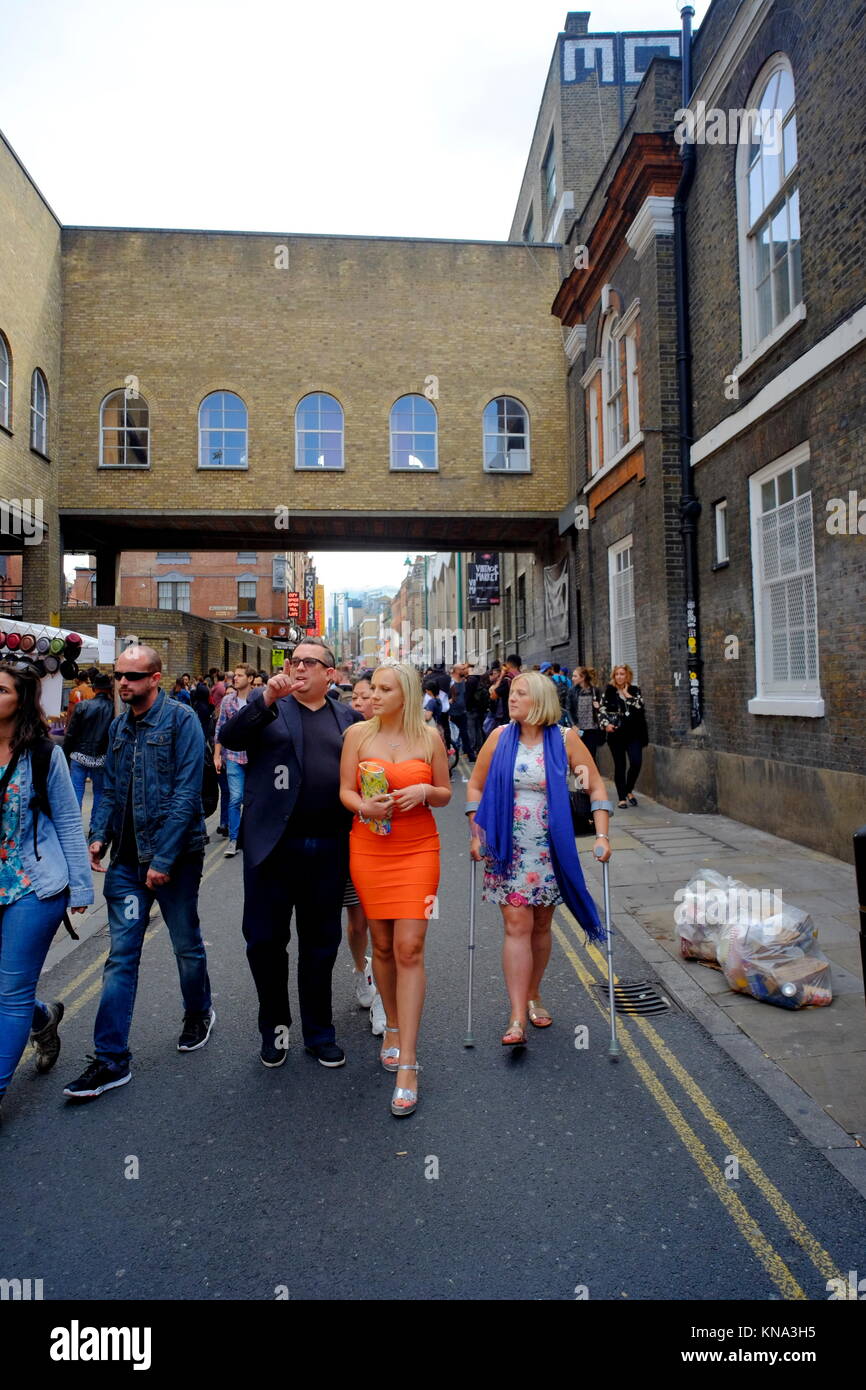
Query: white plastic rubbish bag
x,y
777,959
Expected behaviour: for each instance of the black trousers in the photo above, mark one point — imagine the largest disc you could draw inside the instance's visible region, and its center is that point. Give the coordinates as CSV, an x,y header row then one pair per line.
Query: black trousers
x,y
620,750
307,877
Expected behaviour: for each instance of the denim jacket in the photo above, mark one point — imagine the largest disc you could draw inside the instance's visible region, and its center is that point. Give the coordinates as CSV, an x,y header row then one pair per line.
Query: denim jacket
x,y
166,745
63,859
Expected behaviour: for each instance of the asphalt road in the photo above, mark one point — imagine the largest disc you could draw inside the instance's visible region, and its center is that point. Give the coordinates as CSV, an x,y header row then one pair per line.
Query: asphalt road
x,y
547,1174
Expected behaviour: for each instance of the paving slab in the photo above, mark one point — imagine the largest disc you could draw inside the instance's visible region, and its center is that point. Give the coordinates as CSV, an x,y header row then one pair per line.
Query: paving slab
x,y
822,1073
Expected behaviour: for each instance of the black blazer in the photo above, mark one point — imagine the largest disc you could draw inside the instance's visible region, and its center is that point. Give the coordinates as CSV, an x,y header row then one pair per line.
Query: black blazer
x,y
273,739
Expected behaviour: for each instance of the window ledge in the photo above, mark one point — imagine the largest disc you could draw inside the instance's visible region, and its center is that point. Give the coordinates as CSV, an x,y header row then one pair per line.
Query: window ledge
x,y
507,472
136,467
223,467
721,565
6,429
39,454
629,448
394,469
767,344
313,468
803,707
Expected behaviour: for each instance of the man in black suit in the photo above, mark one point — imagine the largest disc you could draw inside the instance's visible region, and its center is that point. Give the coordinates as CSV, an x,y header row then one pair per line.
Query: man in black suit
x,y
295,840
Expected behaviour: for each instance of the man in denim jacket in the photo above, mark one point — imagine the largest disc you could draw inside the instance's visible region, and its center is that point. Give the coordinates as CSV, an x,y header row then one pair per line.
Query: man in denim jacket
x,y
151,813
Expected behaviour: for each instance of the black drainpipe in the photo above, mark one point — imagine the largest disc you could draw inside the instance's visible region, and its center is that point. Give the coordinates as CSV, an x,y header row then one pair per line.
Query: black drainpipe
x,y
690,507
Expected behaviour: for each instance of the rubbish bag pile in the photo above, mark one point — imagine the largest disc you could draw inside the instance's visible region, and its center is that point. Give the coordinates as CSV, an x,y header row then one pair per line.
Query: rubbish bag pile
x,y
764,948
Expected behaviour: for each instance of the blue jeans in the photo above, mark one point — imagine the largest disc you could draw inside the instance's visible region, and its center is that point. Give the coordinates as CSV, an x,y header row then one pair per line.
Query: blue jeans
x,y
129,902
224,794
235,772
80,774
27,929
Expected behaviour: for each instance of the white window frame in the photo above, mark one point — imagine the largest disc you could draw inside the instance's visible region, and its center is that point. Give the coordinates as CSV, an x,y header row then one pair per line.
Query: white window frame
x,y
224,430
804,701
754,347
39,413
490,434
301,431
617,658
175,585
396,468
5,383
612,399
249,582
124,431
720,523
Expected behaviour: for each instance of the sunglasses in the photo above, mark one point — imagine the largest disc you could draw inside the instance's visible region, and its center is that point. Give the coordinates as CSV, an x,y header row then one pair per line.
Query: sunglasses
x,y
308,661
133,675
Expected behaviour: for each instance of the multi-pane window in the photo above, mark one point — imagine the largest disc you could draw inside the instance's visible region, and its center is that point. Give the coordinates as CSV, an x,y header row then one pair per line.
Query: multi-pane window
x,y
785,599
632,386
548,175
173,594
413,433
5,383
594,431
124,432
222,431
247,557
39,412
770,208
623,636
720,518
247,595
319,432
172,557
506,436
613,389
528,227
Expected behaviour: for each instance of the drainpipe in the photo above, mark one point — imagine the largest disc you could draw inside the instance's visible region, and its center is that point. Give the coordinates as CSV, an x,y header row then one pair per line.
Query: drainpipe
x,y
690,507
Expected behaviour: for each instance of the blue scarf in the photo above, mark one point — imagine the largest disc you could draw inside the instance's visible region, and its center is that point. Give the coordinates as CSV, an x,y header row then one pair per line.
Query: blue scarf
x,y
495,815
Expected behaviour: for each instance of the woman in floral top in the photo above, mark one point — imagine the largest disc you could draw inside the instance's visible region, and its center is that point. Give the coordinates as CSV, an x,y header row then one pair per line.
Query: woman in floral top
x,y
542,854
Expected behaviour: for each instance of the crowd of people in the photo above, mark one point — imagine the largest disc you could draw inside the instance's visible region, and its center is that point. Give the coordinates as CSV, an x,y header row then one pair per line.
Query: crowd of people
x,y
328,786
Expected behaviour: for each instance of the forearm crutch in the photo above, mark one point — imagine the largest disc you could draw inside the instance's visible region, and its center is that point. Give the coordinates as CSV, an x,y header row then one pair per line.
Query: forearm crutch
x,y
613,1050
470,1041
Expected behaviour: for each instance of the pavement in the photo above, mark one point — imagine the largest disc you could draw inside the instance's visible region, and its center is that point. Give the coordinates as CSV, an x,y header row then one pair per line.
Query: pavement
x,y
811,1062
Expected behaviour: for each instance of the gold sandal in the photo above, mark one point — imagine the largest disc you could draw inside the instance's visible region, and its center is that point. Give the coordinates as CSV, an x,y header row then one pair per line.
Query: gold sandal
x,y
539,1017
517,1028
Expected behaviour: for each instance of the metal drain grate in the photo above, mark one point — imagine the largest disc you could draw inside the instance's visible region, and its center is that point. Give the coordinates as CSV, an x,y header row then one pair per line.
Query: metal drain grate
x,y
636,997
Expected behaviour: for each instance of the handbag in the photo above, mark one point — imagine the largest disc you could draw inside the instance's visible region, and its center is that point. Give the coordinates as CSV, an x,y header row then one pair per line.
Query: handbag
x,y
579,799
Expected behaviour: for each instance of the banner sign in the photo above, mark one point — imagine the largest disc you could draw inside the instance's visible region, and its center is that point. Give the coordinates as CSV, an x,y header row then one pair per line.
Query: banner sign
x,y
483,581
556,601
294,605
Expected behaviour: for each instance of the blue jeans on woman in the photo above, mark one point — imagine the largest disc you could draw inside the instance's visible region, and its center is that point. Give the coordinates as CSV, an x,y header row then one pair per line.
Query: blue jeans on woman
x,y
27,928
80,774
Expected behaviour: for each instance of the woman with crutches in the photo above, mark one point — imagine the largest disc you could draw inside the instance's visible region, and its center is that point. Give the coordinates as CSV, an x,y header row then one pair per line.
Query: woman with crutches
x,y
518,801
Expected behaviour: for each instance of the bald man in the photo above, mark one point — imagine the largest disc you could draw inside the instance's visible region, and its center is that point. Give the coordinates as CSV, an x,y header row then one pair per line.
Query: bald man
x,y
151,815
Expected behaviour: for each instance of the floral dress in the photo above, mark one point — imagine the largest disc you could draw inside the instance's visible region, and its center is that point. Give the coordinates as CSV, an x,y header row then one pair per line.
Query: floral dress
x,y
532,882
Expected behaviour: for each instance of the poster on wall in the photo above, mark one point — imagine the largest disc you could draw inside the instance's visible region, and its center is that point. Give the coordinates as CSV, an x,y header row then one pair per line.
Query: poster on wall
x,y
556,602
483,581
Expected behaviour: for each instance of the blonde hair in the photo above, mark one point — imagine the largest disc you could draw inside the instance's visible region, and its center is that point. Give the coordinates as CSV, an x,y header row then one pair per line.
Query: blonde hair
x,y
414,726
629,673
545,707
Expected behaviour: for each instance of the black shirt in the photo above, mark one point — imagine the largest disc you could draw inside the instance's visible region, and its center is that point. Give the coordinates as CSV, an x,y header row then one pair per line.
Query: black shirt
x,y
318,809
128,849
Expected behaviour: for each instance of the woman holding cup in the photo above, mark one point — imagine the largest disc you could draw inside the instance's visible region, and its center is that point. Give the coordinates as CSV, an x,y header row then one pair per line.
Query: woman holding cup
x,y
393,770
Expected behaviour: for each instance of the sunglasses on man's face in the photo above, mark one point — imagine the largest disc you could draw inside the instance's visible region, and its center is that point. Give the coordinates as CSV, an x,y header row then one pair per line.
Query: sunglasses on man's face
x,y
305,661
133,675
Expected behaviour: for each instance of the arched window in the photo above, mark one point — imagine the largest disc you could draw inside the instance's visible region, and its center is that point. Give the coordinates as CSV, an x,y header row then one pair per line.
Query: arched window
x,y
769,207
5,383
222,431
39,412
319,432
612,388
414,430
124,431
506,436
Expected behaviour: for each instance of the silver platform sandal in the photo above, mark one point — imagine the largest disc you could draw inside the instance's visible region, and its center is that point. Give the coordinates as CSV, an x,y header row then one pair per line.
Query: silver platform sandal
x,y
390,1056
403,1093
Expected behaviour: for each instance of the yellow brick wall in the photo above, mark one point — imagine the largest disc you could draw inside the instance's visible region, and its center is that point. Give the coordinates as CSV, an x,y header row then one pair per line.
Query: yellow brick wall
x,y
366,320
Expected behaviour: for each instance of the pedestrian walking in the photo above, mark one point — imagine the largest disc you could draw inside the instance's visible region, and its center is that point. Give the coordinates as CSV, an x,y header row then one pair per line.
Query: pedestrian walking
x,y
295,838
200,702
151,816
81,690
86,742
623,718
477,704
234,762
44,868
357,930
584,704
457,711
520,823
395,856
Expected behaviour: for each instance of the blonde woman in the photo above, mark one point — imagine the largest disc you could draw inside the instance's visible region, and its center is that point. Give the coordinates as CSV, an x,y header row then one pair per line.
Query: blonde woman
x,y
397,873
518,801
623,719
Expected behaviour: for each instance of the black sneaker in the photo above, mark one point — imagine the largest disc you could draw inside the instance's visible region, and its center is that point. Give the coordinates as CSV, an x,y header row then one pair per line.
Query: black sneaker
x,y
223,830
196,1031
329,1054
271,1055
98,1077
46,1040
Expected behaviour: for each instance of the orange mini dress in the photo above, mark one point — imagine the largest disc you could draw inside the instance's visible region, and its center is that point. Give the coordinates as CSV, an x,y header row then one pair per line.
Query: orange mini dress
x,y
397,875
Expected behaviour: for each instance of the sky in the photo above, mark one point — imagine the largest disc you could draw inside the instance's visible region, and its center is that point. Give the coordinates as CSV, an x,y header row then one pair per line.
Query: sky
x,y
384,119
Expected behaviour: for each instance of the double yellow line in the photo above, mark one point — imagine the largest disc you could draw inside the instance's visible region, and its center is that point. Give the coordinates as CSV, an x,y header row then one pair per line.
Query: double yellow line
x,y
736,1209
156,926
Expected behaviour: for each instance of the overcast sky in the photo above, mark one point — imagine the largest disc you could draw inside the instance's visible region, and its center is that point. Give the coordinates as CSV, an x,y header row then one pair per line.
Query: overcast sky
x,y
386,119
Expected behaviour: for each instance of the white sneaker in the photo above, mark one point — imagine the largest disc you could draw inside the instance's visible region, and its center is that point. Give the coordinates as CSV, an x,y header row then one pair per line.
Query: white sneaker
x,y
377,1016
230,850
365,989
